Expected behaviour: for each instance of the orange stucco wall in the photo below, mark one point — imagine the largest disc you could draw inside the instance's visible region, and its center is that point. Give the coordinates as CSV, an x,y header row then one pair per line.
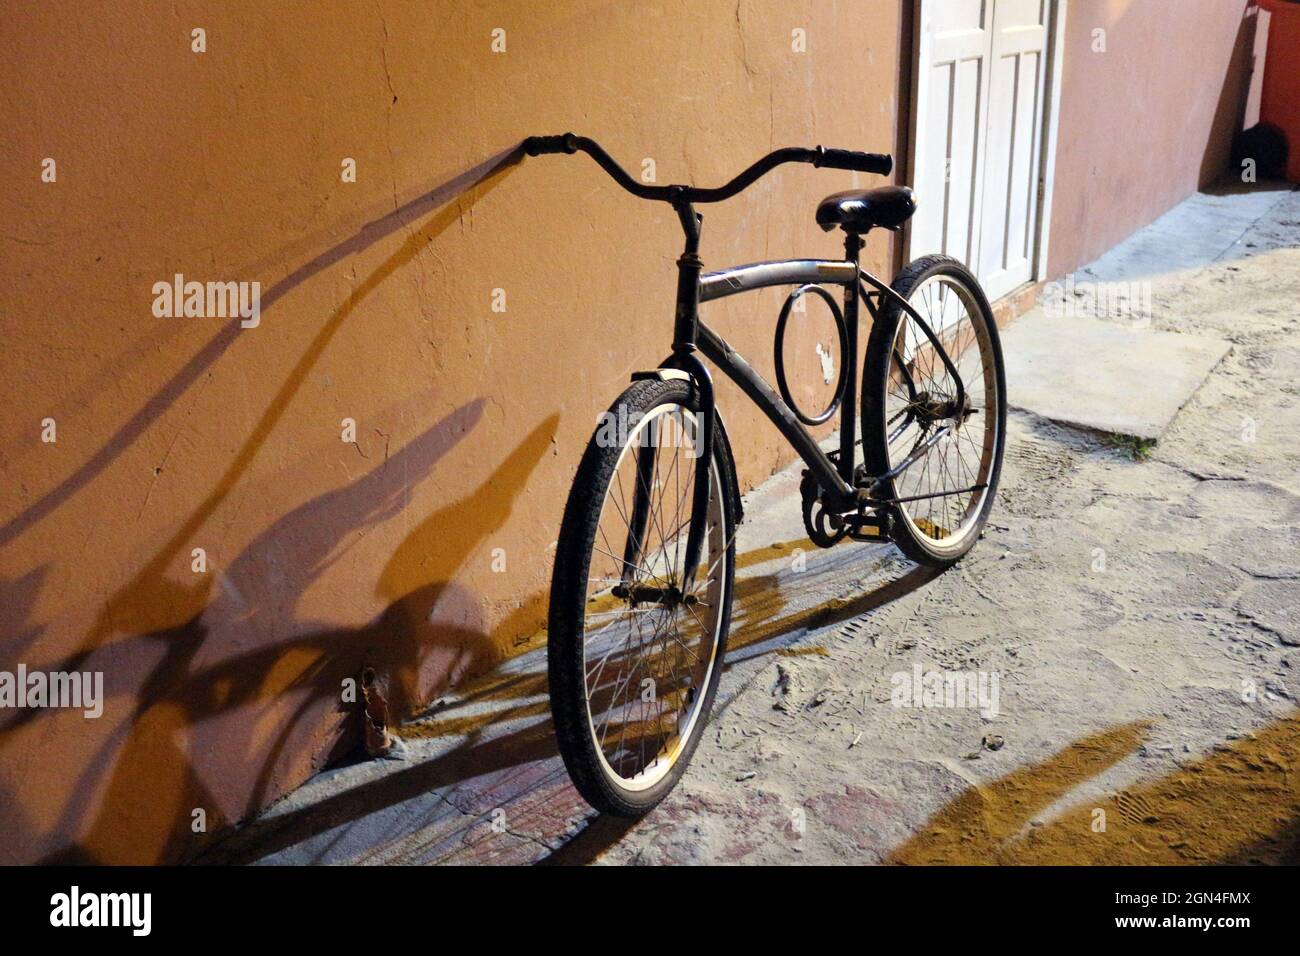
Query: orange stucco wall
x,y
377,305
1147,120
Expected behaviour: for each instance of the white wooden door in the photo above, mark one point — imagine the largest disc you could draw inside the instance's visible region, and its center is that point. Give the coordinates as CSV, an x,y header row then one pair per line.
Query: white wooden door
x,y
980,91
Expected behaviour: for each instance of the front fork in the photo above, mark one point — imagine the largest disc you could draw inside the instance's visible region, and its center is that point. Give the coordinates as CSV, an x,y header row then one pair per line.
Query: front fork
x,y
684,358
702,383
686,326
688,366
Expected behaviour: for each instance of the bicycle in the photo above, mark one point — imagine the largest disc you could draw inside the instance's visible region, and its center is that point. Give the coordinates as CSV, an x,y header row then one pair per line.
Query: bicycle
x,y
639,614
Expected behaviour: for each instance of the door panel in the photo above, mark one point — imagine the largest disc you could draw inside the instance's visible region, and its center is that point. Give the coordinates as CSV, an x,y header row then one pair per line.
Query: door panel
x,y
951,77
979,103
1016,67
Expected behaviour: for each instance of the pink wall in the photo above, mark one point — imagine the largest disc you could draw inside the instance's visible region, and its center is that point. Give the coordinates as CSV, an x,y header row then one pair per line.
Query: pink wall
x,y
1146,121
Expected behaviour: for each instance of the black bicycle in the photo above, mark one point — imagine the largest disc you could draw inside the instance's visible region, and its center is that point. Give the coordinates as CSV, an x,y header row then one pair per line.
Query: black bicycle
x,y
642,588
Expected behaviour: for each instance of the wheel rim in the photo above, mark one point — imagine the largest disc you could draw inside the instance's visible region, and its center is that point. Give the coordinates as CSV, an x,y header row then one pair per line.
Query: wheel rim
x,y
944,484
640,729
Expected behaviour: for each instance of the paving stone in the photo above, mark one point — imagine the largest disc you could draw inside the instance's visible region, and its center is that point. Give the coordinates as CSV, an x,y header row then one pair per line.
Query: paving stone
x,y
1102,375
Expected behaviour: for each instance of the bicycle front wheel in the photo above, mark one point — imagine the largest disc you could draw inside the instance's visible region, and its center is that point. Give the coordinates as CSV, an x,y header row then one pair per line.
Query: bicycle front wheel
x,y
950,452
635,648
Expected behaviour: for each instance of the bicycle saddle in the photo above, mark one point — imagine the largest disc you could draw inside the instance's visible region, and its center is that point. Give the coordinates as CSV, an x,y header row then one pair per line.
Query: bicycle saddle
x,y
859,209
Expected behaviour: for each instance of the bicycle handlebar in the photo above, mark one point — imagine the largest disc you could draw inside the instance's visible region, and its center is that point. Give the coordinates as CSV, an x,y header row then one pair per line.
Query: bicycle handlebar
x,y
880,163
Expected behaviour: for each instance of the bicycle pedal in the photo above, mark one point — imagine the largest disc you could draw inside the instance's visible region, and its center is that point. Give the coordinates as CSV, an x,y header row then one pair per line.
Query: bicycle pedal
x,y
870,528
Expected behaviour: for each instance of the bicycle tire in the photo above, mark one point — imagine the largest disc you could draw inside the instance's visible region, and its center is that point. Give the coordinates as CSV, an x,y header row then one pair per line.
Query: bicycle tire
x,y
588,765
924,540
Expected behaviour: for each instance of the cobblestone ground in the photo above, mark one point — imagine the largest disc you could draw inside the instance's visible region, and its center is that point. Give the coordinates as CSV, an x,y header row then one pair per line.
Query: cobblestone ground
x,y
1138,606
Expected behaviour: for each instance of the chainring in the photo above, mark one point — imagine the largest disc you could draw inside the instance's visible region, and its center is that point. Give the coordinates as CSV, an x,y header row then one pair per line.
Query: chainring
x,y
825,529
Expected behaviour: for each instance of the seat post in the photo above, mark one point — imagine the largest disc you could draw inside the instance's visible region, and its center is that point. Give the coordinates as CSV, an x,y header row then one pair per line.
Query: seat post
x,y
849,402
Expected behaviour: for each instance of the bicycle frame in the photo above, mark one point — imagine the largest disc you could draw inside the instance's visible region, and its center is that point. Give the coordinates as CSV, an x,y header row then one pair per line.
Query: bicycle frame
x,y
837,479
690,336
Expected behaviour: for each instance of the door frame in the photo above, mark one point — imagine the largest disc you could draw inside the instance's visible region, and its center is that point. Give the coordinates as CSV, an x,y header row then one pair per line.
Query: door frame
x,y
1058,14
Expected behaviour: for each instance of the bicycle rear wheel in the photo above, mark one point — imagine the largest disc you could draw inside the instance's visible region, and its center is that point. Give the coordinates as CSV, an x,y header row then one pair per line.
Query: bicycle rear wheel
x,y
942,500
635,653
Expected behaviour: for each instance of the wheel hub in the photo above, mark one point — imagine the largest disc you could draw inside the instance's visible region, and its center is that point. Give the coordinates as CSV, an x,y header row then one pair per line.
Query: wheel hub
x,y
670,597
929,408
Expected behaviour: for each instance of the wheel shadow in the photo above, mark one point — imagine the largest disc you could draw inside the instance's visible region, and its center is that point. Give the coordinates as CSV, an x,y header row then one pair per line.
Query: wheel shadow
x,y
484,782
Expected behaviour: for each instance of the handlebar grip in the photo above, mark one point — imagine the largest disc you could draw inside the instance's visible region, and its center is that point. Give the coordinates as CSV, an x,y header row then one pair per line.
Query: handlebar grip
x,y
537,145
880,163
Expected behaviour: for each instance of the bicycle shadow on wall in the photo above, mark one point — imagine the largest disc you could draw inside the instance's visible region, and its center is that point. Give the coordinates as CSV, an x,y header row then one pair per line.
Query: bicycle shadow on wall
x,y
136,600
190,732
478,180
167,632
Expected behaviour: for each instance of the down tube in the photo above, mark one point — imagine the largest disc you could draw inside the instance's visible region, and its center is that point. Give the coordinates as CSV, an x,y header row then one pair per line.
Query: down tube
x,y
733,364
